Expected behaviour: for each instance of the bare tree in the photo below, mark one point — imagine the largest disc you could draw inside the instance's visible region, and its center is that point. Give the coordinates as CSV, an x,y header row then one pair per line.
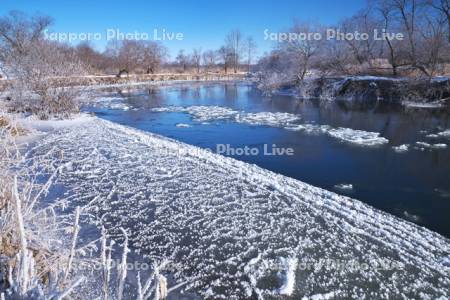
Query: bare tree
x,y
250,49
303,51
182,60
41,70
153,55
364,50
93,59
18,32
233,42
443,6
209,59
196,58
226,56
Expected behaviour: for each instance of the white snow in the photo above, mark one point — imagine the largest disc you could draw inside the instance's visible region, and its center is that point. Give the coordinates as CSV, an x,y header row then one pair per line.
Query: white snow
x,y
34,123
221,220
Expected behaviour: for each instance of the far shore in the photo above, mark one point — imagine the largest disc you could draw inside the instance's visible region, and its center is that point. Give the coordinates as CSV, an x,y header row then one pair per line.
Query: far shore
x,y
113,80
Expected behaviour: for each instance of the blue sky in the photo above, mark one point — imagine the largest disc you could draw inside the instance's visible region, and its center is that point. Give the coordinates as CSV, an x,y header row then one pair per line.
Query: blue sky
x,y
203,23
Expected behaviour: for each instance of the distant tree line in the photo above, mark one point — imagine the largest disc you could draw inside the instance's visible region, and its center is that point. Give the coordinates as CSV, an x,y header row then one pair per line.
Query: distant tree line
x,y
424,50
21,34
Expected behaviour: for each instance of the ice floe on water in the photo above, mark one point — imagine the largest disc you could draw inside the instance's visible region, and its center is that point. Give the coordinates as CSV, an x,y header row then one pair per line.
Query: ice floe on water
x,y
445,133
275,119
344,187
112,103
401,148
310,128
201,113
182,125
419,146
423,146
278,119
359,137
411,217
353,136
222,222
216,113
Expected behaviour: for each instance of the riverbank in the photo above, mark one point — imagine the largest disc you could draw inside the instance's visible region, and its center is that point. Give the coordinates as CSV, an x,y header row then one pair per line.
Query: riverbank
x,y
369,90
224,222
112,80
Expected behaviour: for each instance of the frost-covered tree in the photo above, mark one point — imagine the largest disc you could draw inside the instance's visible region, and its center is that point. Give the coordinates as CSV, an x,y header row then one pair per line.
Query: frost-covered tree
x,y
41,71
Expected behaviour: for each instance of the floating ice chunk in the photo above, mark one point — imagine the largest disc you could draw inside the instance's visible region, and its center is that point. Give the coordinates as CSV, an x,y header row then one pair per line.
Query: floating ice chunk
x,y
344,187
401,149
288,275
359,137
442,193
423,145
434,104
201,113
207,113
276,119
439,146
119,106
411,217
182,125
432,136
310,128
168,109
112,103
445,133
426,145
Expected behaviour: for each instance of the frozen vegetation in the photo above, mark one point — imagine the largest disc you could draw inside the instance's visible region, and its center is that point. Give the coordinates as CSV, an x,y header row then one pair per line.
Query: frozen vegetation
x,y
233,230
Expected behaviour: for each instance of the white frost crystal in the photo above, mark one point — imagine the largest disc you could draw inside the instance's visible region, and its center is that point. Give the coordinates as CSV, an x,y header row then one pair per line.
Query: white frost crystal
x,y
222,221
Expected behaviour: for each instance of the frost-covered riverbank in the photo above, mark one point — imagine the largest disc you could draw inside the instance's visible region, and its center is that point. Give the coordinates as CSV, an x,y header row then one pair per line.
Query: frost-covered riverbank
x,y
365,91
236,230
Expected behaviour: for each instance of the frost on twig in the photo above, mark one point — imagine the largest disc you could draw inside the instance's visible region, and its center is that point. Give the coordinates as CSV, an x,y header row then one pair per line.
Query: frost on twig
x,y
76,229
123,265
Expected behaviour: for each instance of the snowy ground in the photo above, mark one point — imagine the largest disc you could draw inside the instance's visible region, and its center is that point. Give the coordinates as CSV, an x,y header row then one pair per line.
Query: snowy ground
x,y
235,230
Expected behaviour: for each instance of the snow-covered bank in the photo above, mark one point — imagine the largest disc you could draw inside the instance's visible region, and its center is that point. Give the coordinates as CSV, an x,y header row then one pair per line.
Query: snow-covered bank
x,y
226,223
363,91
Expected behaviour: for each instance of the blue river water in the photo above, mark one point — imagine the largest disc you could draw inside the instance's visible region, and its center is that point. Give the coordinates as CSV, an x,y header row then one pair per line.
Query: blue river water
x,y
414,185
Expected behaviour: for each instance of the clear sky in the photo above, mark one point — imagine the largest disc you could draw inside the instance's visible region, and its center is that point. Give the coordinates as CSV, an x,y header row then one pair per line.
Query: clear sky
x,y
203,23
